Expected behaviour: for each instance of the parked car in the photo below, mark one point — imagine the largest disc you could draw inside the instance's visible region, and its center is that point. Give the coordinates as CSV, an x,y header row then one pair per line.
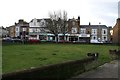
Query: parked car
x,y
7,38
33,41
16,40
95,41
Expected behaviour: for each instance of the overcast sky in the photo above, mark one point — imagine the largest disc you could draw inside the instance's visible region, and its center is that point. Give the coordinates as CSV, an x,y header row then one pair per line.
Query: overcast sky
x,y
94,11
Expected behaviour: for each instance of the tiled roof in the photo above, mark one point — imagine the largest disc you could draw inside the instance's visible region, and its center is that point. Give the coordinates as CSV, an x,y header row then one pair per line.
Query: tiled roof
x,y
93,26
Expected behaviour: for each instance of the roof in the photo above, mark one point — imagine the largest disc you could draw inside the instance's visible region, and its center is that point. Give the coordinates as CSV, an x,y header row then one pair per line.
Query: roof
x,y
93,26
1,27
38,20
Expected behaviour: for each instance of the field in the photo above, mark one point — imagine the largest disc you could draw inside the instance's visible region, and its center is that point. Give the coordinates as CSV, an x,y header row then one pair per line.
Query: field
x,y
20,56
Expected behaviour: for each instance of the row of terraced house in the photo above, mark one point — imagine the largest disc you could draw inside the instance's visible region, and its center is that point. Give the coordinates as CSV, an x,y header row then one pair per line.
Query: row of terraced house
x,y
37,30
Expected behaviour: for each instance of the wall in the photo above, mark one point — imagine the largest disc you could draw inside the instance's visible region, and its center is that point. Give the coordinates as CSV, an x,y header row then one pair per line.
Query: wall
x,y
12,31
60,71
116,32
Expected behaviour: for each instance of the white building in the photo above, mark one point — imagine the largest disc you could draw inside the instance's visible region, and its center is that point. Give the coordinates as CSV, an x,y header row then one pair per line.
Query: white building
x,y
38,29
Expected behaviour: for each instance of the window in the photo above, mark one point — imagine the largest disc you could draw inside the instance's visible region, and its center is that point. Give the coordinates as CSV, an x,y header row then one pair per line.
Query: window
x,y
17,29
94,31
24,29
17,34
38,30
94,37
104,31
42,30
30,30
35,30
104,38
42,23
111,32
88,32
83,31
74,30
42,37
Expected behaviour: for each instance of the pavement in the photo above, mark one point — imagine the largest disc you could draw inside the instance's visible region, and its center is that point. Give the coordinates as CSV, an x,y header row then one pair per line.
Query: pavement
x,y
108,70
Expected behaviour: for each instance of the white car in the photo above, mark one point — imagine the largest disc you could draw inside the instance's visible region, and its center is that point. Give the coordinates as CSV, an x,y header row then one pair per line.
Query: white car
x,y
95,41
7,38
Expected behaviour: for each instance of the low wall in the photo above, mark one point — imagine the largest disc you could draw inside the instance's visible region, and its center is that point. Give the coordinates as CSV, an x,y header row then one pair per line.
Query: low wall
x,y
59,71
115,54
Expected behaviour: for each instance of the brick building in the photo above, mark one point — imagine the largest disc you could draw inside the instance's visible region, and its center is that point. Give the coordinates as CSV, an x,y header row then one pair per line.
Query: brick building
x,y
110,34
19,30
116,32
11,31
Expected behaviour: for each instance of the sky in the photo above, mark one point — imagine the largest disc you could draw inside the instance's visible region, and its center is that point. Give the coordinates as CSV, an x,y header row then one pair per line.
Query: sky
x,y
94,11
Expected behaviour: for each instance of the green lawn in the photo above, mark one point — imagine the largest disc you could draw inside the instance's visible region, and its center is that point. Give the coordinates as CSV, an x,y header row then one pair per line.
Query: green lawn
x,y
18,57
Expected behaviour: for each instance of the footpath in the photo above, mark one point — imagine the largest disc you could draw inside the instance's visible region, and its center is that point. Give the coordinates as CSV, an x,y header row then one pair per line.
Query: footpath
x,y
108,70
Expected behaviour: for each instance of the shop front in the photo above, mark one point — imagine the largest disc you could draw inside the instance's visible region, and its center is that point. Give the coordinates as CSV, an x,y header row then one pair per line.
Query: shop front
x,y
85,38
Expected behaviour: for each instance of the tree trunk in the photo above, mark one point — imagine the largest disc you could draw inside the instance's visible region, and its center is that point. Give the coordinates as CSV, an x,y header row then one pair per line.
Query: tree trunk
x,y
56,36
63,37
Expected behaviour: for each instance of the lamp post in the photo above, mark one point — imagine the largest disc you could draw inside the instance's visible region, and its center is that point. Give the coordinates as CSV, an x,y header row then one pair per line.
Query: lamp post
x,y
99,39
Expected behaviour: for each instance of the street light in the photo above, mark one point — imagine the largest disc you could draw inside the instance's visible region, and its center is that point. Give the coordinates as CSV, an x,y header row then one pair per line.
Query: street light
x,y
99,39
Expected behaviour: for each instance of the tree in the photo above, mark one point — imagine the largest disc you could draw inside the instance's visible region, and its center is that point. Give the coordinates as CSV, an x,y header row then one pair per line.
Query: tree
x,y
64,26
58,23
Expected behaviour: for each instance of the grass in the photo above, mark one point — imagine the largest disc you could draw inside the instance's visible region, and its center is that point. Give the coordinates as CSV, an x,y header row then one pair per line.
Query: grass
x,y
19,57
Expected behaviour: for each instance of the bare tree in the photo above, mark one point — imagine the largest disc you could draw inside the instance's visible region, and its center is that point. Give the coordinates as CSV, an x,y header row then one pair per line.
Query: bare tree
x,y
64,26
58,23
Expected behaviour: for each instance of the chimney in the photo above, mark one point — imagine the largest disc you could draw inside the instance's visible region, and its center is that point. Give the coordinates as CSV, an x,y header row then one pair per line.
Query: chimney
x,y
79,20
21,20
78,17
118,21
89,23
